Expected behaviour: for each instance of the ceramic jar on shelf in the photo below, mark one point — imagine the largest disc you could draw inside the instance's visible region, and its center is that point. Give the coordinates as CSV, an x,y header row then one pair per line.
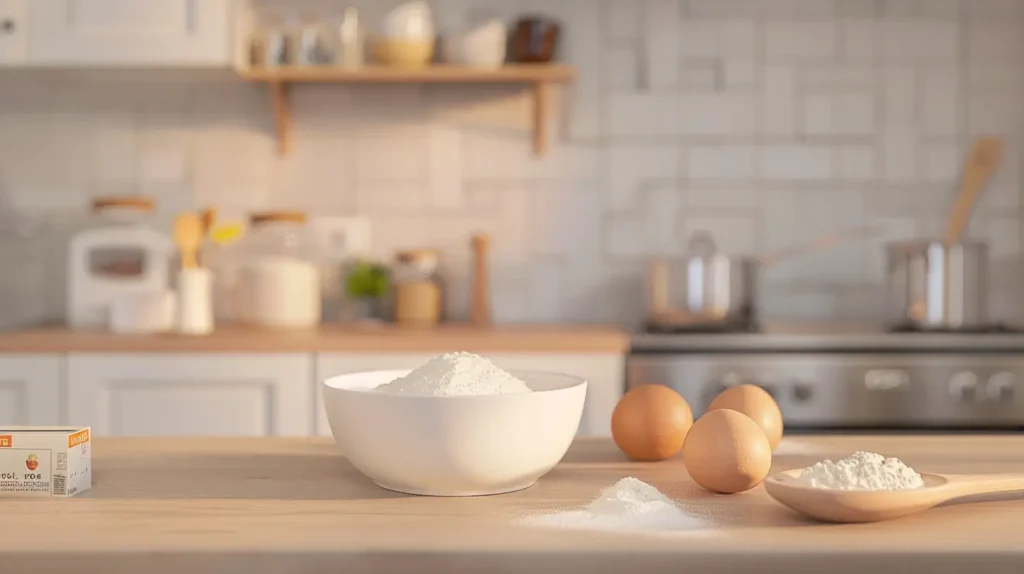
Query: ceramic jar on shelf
x,y
407,36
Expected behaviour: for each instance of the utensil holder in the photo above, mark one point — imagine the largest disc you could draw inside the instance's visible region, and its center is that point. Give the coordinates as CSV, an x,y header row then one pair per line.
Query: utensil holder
x,y
195,301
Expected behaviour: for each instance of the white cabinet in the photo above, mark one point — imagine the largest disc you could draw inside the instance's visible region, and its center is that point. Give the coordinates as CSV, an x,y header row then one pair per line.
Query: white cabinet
x,y
13,32
604,372
192,394
30,389
132,32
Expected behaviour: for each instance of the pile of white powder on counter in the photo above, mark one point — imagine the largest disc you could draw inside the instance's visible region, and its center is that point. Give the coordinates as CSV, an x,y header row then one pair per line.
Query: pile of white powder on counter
x,y
456,374
862,471
629,504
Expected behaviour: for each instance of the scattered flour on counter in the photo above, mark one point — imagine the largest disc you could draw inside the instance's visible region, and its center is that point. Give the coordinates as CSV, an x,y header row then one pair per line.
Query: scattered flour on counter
x,y
629,504
862,471
456,374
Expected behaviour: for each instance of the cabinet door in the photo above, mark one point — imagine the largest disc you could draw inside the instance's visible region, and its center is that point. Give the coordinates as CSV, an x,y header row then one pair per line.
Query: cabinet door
x,y
191,394
605,374
153,32
13,32
30,389
331,364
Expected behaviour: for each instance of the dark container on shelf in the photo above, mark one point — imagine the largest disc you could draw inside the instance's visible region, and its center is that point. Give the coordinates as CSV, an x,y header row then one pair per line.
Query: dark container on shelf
x,y
535,40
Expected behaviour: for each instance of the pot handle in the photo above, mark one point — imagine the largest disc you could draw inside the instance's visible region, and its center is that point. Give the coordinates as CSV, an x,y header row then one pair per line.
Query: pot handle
x,y
822,243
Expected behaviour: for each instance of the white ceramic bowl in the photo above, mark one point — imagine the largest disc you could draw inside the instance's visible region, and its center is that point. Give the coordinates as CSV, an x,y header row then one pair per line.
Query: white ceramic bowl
x,y
454,446
481,46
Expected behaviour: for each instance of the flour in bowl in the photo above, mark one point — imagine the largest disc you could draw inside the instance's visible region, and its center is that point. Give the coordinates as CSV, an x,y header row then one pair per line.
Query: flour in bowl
x,y
456,374
861,471
629,504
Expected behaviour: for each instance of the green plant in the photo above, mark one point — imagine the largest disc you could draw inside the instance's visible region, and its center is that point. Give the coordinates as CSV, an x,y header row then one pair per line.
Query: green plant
x,y
367,280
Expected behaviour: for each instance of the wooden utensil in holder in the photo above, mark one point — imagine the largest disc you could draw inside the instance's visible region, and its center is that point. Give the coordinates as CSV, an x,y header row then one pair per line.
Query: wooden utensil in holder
x,y
980,164
188,235
194,314
480,311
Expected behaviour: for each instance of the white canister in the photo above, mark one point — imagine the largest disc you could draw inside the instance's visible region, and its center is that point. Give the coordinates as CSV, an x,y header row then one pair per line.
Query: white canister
x,y
279,276
281,291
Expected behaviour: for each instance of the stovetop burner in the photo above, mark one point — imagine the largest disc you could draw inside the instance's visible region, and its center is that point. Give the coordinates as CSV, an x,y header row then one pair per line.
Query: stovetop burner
x,y
991,329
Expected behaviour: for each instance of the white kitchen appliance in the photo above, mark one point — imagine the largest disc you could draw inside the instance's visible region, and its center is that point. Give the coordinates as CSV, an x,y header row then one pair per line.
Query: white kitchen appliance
x,y
117,258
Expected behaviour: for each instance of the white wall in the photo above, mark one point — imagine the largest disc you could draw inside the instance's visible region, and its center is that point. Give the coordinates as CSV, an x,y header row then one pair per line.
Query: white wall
x,y
767,122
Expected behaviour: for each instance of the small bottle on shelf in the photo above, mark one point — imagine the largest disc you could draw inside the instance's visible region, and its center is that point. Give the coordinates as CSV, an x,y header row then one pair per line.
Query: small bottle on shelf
x,y
351,41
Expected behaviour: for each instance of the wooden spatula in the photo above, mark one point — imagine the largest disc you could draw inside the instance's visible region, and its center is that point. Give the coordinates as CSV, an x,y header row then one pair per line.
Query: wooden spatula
x,y
188,235
981,163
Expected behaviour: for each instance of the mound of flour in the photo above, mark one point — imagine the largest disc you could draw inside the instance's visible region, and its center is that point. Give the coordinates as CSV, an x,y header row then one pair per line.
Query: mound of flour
x,y
456,374
629,504
862,471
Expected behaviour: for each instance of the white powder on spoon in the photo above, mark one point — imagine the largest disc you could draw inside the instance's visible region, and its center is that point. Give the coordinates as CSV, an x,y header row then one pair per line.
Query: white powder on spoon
x,y
861,471
456,374
629,504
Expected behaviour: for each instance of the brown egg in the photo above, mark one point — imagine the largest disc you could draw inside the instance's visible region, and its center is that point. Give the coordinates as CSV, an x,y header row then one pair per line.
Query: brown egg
x,y
650,422
727,452
757,404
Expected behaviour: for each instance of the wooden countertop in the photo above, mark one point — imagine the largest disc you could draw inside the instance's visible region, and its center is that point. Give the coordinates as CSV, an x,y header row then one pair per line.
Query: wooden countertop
x,y
328,338
295,505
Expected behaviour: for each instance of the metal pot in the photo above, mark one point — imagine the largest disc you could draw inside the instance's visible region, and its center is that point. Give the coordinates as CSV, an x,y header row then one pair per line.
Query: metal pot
x,y
716,289
935,285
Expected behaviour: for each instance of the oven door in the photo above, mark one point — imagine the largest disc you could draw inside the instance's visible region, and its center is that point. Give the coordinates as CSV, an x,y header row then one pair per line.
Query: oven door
x,y
853,391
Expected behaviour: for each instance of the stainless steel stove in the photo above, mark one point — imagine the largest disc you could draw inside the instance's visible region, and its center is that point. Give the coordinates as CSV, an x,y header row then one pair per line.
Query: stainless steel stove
x,y
835,378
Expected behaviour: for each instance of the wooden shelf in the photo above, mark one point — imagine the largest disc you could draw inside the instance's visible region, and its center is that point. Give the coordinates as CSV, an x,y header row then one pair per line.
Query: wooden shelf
x,y
538,76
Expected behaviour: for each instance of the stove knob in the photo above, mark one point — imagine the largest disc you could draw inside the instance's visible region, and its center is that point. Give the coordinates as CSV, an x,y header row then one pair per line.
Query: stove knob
x,y
1001,387
802,392
964,387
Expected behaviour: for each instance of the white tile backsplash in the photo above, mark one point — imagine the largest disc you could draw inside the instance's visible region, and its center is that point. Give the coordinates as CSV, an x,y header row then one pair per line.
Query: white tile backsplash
x,y
769,122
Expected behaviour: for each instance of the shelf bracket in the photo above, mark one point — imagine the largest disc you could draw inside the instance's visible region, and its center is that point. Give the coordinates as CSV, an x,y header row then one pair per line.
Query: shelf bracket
x,y
541,110
282,116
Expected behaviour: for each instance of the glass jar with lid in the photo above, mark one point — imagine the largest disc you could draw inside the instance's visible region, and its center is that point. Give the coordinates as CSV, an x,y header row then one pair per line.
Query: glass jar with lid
x,y
419,288
118,254
279,276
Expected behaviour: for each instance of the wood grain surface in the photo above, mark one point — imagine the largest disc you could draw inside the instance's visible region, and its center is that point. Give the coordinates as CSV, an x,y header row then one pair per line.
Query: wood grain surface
x,y
295,505
331,338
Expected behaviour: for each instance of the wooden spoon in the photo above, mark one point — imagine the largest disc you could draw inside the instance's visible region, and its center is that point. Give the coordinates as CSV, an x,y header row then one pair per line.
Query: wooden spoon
x,y
188,235
980,165
874,506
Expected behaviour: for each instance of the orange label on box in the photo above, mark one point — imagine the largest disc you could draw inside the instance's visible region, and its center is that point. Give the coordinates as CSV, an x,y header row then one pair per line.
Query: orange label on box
x,y
78,438
5,441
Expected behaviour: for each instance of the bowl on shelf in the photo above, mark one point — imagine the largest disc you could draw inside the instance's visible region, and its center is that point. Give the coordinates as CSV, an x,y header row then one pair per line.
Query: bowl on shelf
x,y
483,45
411,21
403,53
454,446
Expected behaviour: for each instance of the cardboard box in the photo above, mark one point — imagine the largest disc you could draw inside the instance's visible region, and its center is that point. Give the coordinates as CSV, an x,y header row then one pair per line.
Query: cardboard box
x,y
45,462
